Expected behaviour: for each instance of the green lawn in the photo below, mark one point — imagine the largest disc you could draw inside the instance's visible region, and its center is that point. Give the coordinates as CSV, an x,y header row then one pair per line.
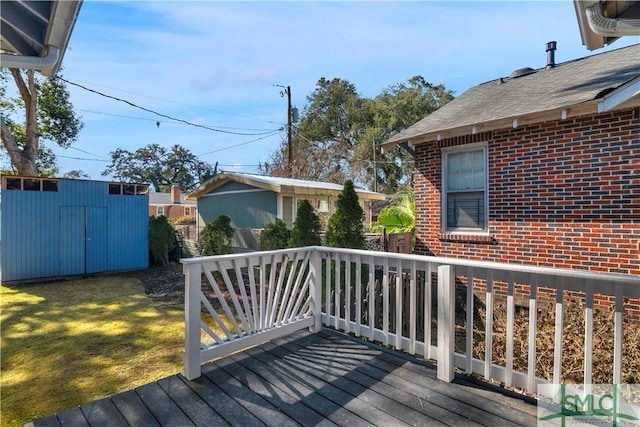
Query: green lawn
x,y
67,343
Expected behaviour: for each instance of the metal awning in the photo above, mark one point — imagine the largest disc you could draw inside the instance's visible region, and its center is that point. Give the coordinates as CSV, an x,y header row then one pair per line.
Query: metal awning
x,y
35,34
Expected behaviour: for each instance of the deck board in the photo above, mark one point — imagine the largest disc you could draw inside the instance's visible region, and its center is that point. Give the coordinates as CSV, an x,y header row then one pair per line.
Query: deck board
x,y
325,379
263,364
197,410
133,409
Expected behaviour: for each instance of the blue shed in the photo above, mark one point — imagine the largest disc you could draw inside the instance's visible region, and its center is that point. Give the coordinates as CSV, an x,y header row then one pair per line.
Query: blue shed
x,y
54,227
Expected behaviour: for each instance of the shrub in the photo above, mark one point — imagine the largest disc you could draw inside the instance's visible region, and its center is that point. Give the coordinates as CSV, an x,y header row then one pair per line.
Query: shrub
x,y
346,226
185,220
307,227
274,236
215,238
162,240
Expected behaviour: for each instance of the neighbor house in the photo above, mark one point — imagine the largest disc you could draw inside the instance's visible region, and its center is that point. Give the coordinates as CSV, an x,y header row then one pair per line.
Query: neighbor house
x,y
541,167
253,201
173,205
54,227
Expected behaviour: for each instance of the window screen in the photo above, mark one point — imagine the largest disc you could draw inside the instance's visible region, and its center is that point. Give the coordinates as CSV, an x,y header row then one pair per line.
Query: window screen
x,y
465,183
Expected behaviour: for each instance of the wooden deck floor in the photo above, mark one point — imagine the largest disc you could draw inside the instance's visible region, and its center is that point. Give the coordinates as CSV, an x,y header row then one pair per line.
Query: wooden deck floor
x,y
324,379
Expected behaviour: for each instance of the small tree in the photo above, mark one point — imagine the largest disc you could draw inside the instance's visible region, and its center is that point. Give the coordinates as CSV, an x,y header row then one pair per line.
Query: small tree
x,y
346,227
162,240
307,227
215,238
274,236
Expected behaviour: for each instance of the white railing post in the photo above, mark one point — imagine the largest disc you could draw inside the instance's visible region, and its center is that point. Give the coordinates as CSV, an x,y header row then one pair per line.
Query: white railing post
x,y
446,322
315,289
192,303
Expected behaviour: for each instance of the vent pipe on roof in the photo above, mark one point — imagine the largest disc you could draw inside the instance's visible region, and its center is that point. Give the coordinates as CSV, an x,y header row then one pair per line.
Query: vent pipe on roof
x,y
609,27
551,55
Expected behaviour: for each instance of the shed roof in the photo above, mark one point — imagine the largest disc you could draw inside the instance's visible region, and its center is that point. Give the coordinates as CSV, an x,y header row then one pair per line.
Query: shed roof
x,y
279,185
595,83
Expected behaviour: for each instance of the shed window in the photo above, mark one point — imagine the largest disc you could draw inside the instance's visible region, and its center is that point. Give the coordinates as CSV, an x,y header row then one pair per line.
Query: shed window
x,y
128,189
465,189
29,184
13,183
49,185
115,189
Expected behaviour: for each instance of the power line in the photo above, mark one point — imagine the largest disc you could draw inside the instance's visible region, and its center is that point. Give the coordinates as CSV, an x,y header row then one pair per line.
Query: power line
x,y
166,121
185,105
83,151
238,145
160,114
82,158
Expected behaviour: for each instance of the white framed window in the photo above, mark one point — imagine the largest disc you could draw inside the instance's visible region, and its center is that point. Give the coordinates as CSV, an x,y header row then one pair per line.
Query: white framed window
x,y
465,195
159,210
187,210
323,206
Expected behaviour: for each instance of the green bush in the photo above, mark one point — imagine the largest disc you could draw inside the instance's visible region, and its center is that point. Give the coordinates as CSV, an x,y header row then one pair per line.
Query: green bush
x,y
307,227
346,227
162,241
216,237
185,220
274,236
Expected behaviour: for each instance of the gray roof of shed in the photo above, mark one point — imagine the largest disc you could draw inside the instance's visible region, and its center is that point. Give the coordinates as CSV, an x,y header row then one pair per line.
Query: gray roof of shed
x,y
277,184
493,104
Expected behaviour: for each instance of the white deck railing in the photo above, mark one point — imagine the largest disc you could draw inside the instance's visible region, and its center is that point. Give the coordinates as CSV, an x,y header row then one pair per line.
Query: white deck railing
x,y
389,298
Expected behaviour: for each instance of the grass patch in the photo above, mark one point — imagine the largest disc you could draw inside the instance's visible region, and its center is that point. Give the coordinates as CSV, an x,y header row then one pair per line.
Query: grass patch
x,y
68,343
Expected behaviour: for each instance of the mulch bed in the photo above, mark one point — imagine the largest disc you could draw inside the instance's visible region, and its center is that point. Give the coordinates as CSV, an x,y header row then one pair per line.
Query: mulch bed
x,y
164,284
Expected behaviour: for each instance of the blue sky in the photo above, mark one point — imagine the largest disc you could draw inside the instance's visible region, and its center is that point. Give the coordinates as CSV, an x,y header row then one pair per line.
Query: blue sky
x,y
216,63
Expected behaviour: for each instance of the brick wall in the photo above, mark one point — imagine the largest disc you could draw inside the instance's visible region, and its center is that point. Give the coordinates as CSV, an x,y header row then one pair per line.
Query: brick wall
x,y
172,211
563,193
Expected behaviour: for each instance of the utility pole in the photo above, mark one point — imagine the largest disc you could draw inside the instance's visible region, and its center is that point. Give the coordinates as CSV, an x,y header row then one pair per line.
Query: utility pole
x,y
287,90
375,167
289,126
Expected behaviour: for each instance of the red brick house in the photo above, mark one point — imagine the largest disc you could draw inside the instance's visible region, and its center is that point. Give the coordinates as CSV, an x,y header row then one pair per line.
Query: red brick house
x,y
541,167
172,205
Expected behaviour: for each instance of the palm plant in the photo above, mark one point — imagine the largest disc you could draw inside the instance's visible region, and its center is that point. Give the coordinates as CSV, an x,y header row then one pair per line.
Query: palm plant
x,y
400,215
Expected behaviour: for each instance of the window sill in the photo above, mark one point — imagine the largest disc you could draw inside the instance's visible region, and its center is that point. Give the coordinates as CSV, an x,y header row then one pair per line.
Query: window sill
x,y
467,238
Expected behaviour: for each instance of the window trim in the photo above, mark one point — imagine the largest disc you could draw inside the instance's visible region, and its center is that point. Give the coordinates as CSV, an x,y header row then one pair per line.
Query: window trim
x,y
444,230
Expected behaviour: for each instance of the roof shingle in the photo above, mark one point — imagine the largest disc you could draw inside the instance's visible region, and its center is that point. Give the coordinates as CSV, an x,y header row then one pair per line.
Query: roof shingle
x,y
567,84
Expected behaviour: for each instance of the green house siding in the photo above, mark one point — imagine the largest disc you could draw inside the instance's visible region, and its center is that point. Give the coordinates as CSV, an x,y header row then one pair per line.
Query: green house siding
x,y
247,207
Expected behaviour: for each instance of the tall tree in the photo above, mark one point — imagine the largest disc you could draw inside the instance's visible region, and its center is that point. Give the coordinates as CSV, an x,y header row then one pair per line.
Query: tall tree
x,y
346,226
160,167
327,135
48,115
340,133
306,229
395,109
